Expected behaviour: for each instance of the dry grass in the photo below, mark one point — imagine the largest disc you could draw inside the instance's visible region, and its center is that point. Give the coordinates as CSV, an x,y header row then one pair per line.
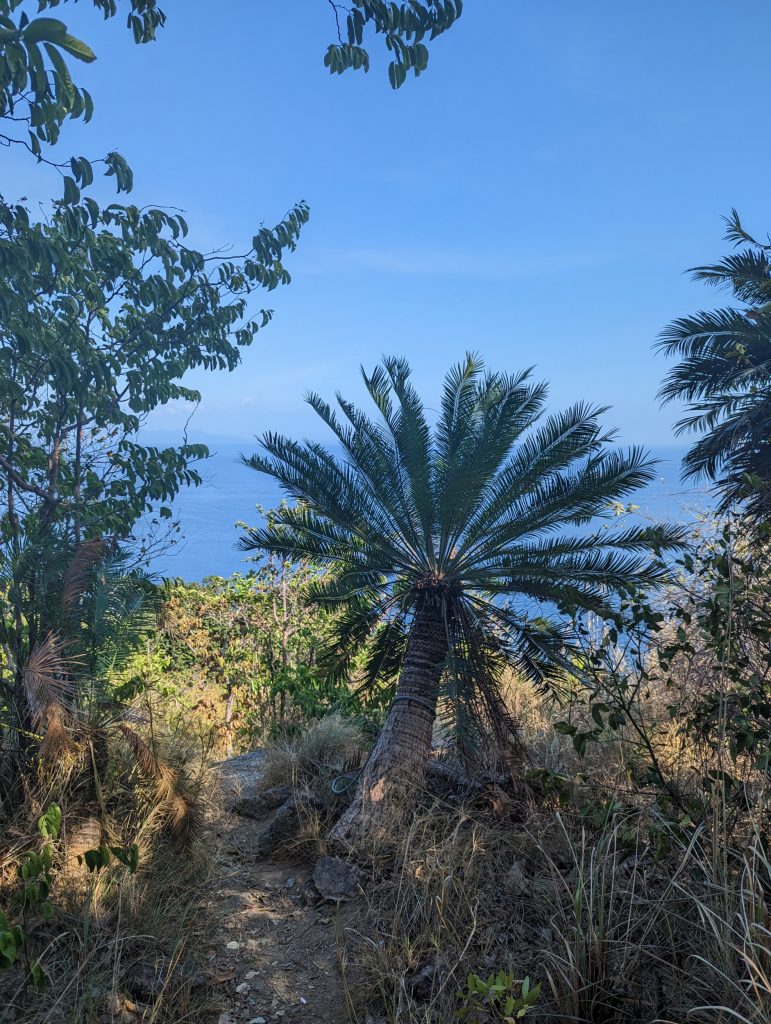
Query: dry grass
x,y
612,932
621,915
318,766
105,924
325,749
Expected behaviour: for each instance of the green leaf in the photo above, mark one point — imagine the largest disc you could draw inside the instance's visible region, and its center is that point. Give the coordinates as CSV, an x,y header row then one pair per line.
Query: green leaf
x,y
71,191
44,30
77,48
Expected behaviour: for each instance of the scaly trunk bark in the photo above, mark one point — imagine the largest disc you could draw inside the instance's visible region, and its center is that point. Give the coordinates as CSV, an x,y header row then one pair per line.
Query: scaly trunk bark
x,y
397,765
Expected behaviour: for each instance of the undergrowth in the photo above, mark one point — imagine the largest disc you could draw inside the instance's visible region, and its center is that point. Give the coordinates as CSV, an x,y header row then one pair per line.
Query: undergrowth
x,y
119,943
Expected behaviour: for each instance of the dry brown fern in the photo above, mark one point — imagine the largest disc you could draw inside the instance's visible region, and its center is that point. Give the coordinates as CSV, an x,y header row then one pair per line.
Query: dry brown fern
x,y
182,812
48,687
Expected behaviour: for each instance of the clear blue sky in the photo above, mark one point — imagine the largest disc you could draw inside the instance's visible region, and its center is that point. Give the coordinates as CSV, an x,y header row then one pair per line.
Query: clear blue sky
x,y
535,196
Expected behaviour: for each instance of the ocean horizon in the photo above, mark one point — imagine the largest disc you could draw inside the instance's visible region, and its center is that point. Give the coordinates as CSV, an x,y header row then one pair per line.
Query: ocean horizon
x,y
206,544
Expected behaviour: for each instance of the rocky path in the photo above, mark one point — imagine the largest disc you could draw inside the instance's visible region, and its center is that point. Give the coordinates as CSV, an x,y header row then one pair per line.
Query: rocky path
x,y
273,959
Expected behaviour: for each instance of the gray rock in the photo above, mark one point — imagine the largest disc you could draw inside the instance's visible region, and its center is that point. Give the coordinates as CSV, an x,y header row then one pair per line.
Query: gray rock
x,y
423,981
146,979
257,806
285,823
241,777
515,881
336,879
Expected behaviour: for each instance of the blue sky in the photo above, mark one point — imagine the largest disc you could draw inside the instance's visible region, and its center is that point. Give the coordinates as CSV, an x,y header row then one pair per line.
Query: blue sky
x,y
535,196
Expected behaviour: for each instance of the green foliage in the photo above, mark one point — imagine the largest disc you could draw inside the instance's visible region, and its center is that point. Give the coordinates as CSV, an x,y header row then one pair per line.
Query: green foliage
x,y
707,648
497,999
38,93
101,857
470,516
103,313
68,620
34,872
255,641
725,377
35,877
405,27
724,623
36,86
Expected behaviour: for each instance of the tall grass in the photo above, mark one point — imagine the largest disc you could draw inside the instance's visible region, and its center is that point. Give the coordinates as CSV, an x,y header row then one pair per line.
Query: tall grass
x,y
622,914
118,946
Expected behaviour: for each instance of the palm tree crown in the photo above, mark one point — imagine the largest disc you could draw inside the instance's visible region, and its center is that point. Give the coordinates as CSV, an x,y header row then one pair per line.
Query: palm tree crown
x,y
725,377
468,515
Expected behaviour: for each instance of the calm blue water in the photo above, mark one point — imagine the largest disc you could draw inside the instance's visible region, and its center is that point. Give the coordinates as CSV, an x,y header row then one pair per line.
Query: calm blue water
x,y
208,514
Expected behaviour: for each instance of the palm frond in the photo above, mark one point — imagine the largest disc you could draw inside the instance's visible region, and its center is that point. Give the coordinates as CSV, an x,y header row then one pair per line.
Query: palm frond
x,y
348,635
411,437
182,813
490,513
79,572
724,374
48,686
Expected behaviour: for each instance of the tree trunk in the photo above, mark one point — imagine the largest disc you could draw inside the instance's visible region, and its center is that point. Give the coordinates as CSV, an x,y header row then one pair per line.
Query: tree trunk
x,y
396,767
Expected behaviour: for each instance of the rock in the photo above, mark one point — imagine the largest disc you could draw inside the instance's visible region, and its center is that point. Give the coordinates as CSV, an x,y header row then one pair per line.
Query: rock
x,y
225,1018
515,881
422,982
258,805
233,945
258,1020
336,879
147,979
242,989
286,822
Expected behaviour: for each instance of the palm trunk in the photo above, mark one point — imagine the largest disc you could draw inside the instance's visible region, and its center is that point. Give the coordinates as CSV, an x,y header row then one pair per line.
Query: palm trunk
x,y
396,767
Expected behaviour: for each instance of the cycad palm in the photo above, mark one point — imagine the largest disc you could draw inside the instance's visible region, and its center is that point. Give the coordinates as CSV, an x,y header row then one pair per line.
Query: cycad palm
x,y
453,535
725,377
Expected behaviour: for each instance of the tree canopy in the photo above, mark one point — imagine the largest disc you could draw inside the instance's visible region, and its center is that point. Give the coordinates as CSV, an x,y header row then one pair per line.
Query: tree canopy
x,y
489,513
38,92
724,376
102,313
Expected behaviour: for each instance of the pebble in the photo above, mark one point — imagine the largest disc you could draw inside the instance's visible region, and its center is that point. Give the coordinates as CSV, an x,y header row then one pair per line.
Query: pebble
x,y
233,945
258,1020
242,989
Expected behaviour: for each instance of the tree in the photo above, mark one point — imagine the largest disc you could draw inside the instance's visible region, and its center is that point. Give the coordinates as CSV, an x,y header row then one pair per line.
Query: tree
x,y
452,537
68,618
405,27
102,313
725,377
38,94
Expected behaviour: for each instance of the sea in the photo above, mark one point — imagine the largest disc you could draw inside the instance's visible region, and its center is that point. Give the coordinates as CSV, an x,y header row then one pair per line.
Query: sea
x,y
207,541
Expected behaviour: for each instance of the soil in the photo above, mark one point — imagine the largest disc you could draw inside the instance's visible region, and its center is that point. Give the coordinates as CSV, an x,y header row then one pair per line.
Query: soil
x,y
274,958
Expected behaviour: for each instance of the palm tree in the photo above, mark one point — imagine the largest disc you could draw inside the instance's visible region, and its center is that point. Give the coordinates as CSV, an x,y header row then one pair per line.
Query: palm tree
x,y
451,537
725,377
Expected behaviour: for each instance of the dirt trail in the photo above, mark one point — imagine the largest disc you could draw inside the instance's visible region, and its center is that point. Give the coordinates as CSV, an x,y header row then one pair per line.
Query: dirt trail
x,y
273,959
